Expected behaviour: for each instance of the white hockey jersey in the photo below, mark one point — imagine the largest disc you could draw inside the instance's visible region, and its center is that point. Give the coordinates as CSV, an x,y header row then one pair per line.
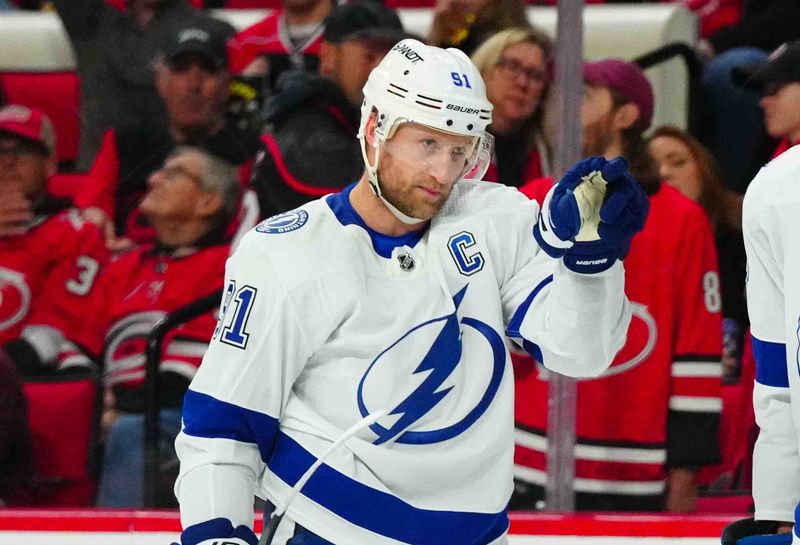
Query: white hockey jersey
x,y
325,321
771,225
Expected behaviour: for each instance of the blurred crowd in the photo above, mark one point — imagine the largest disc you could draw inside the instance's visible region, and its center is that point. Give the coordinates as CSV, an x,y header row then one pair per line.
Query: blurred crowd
x,y
191,132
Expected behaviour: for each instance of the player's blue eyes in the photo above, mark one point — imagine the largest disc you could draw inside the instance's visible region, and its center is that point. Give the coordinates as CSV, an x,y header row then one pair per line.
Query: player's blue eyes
x,y
432,146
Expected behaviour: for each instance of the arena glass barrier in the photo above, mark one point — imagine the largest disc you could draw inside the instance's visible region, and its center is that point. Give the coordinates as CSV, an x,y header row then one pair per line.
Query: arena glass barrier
x,y
124,527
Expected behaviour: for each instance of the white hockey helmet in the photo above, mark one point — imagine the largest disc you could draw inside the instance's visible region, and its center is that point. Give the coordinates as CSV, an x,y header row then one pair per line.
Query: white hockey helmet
x,y
439,88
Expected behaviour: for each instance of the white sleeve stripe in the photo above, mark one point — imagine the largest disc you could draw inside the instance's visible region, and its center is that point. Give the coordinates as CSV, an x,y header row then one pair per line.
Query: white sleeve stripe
x,y
634,488
182,368
683,369
598,453
695,404
195,349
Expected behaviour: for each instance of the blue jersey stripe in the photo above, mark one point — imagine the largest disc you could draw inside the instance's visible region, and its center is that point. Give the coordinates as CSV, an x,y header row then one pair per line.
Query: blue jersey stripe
x,y
206,416
513,329
770,363
378,511
383,245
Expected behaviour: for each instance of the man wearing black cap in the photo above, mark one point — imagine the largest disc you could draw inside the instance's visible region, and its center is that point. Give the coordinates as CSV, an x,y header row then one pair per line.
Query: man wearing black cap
x,y
192,80
310,147
115,52
778,80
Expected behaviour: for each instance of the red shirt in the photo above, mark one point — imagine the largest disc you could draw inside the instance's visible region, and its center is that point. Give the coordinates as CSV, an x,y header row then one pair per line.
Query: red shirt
x,y
136,291
268,37
48,274
666,377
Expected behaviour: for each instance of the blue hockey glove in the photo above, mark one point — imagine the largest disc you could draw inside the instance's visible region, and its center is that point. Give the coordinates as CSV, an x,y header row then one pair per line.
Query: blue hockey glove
x,y
754,532
591,215
217,532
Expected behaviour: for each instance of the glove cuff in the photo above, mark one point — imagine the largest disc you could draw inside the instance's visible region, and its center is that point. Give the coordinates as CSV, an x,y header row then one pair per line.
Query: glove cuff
x,y
589,258
227,541
218,531
544,233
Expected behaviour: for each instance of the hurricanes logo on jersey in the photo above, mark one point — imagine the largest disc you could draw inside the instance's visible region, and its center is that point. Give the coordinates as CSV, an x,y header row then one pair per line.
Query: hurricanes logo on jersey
x,y
427,399
15,298
126,346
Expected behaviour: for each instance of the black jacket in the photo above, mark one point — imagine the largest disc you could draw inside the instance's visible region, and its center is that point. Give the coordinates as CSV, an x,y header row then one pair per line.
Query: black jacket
x,y
310,148
765,24
115,64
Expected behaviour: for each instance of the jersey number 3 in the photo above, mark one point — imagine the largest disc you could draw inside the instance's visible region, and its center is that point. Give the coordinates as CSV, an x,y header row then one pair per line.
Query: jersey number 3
x,y
234,328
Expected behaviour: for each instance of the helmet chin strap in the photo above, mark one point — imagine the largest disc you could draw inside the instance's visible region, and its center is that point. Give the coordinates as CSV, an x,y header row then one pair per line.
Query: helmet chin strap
x,y
372,172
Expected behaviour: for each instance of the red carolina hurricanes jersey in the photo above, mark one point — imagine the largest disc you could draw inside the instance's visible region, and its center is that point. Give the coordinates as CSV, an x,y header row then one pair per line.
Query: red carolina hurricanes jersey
x,y
47,275
136,291
658,404
268,37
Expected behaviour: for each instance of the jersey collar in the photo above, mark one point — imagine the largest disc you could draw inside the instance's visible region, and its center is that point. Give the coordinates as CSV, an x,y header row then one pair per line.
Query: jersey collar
x,y
383,245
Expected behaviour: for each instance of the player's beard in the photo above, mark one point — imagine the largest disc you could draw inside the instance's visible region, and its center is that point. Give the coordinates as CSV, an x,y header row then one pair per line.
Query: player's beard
x,y
598,137
399,185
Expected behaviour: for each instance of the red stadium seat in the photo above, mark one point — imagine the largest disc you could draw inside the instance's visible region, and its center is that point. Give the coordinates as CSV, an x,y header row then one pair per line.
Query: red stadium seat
x,y
55,93
64,415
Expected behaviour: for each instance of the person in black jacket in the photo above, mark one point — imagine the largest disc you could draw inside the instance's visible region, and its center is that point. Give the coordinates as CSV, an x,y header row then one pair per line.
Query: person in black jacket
x,y
310,147
734,131
192,80
115,53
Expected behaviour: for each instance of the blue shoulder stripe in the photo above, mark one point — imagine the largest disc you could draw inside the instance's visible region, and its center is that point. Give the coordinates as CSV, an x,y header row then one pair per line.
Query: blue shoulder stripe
x,y
770,363
206,416
381,512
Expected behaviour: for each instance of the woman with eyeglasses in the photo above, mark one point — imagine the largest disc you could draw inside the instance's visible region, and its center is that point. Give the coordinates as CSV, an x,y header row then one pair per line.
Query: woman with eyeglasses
x,y
515,64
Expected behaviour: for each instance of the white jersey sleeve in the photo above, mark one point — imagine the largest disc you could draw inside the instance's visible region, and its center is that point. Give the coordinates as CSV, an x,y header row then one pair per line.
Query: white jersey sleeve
x,y
549,307
771,220
232,409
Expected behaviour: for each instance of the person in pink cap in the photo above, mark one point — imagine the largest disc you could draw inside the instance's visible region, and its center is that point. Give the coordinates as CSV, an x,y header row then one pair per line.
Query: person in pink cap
x,y
645,425
49,256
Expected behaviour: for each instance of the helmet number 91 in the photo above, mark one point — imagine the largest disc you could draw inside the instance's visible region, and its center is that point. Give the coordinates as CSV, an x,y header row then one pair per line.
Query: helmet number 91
x,y
460,80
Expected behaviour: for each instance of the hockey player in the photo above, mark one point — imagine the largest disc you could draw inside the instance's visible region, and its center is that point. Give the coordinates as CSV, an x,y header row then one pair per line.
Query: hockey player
x,y
393,297
770,224
49,256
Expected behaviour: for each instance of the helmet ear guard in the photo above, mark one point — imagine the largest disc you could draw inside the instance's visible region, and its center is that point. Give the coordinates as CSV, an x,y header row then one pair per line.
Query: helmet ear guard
x,y
441,89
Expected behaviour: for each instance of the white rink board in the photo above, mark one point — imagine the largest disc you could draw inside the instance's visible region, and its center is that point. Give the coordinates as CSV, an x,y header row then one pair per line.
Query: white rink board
x,y
165,538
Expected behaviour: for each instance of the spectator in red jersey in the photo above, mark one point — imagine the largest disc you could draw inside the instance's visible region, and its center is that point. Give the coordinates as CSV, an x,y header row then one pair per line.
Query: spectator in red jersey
x,y
645,425
688,167
192,79
777,79
310,146
189,203
115,52
49,256
466,24
515,66
286,39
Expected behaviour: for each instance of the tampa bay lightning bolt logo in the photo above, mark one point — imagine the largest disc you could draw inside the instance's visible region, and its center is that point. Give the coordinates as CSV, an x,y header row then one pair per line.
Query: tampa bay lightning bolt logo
x,y
283,223
441,360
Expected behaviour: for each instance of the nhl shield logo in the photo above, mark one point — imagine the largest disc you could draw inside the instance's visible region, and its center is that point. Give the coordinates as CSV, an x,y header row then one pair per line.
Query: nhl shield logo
x,y
406,262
